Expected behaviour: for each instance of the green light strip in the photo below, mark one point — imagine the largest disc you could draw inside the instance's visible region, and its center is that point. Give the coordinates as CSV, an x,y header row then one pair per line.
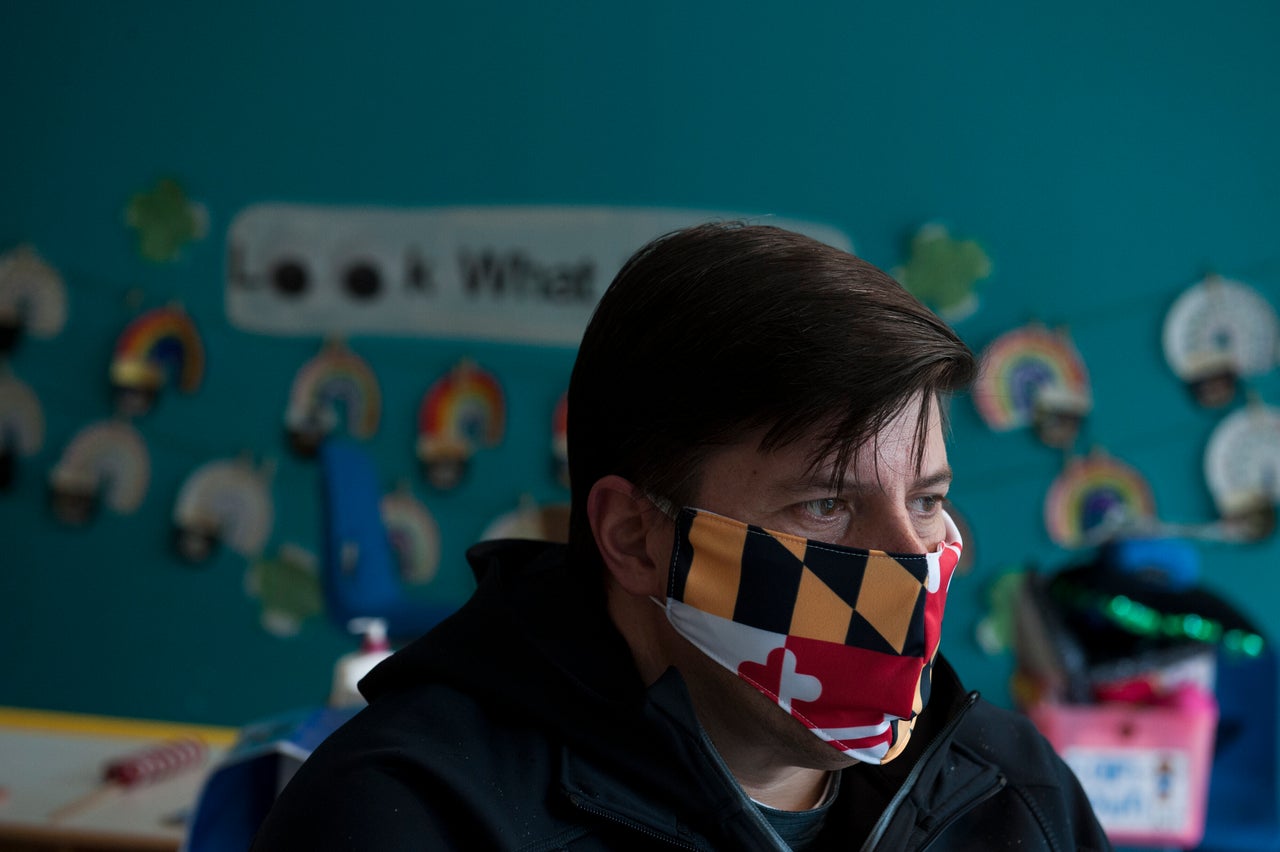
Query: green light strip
x,y
1142,620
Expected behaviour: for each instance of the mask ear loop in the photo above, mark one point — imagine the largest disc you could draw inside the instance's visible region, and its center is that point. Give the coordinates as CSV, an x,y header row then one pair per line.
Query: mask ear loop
x,y
662,504
952,542
667,508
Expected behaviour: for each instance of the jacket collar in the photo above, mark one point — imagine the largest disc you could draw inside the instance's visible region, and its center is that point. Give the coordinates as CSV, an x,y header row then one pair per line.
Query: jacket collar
x,y
933,781
633,754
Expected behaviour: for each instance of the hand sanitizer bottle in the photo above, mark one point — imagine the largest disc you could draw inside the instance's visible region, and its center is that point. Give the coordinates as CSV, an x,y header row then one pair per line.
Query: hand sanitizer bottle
x,y
374,648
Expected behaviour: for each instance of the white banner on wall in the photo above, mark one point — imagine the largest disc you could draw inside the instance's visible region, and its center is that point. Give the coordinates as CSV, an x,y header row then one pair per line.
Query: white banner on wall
x,y
524,274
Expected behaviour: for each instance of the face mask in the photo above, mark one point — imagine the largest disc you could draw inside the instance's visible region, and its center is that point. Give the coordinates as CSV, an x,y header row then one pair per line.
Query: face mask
x,y
840,638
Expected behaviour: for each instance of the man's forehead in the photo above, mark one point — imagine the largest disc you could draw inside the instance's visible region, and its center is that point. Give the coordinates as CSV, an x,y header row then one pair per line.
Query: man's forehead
x,y
819,461
934,472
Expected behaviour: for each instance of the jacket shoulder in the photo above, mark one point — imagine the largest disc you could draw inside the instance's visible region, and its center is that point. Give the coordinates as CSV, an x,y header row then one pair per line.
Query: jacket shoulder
x,y
431,763
1011,742
1037,783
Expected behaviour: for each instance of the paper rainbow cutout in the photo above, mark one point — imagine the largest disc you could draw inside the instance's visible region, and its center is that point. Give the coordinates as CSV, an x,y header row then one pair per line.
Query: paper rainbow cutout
x,y
108,455
336,376
1018,367
32,292
414,536
229,499
560,440
21,417
1092,494
160,344
463,410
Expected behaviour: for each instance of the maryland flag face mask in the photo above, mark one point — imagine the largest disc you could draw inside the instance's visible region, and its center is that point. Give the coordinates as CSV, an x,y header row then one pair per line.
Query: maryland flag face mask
x,y
840,638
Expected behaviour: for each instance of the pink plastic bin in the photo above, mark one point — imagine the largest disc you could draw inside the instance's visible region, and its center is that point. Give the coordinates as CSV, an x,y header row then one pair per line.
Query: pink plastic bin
x,y
1145,768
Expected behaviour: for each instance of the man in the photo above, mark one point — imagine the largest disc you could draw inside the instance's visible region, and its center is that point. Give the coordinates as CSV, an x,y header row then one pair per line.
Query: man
x,y
725,655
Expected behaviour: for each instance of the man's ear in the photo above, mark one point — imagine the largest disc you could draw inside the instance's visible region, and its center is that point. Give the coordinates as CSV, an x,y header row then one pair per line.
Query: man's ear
x,y
622,521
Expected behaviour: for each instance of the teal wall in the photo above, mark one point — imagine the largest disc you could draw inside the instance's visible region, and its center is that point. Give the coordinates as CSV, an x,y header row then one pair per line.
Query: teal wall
x,y
1106,157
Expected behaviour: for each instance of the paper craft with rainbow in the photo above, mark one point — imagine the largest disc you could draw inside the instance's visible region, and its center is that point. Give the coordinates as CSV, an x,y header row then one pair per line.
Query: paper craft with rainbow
x,y
1093,497
560,440
227,500
414,536
107,459
462,412
1032,376
336,378
32,297
161,345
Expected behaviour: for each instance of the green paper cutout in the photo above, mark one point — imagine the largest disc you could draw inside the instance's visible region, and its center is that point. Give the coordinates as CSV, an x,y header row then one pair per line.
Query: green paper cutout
x,y
997,631
165,219
942,272
288,589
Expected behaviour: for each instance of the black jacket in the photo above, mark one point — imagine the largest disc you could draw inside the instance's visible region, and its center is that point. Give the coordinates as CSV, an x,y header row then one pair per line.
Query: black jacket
x,y
521,723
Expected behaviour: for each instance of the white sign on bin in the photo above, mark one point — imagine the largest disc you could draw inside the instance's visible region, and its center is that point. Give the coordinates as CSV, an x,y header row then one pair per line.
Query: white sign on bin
x,y
529,274
1135,791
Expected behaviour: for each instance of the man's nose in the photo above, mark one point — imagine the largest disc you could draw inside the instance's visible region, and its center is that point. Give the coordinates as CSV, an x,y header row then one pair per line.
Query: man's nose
x,y
894,532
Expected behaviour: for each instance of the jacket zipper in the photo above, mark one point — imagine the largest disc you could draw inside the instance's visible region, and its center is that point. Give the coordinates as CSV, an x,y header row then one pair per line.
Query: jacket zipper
x,y
748,806
943,736
877,833
583,805
955,815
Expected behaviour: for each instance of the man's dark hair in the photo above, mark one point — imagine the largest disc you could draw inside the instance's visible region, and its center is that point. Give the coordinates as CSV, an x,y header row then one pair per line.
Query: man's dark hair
x,y
717,330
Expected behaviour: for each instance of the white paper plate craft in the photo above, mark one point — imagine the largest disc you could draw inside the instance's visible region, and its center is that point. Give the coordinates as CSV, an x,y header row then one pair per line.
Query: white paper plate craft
x,y
224,502
1242,469
106,461
530,520
21,425
33,298
1218,331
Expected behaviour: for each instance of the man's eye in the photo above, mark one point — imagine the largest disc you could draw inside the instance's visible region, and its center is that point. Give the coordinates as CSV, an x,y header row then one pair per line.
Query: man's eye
x,y
930,503
824,508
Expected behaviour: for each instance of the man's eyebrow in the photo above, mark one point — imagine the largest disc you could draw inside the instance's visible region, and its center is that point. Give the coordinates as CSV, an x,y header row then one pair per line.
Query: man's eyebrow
x,y
818,482
942,476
